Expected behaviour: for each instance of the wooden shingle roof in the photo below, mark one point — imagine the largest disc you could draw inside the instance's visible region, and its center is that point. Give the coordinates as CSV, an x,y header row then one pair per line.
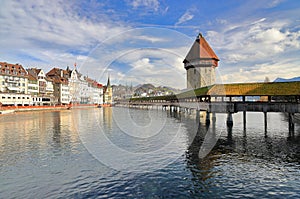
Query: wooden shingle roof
x,y
256,89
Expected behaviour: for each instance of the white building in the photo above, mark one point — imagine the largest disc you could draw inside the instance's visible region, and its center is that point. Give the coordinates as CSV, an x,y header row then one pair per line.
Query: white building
x,y
84,90
13,78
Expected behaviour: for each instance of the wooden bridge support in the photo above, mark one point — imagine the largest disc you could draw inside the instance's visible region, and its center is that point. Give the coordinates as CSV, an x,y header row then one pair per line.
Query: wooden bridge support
x,y
214,118
207,121
197,116
244,120
266,122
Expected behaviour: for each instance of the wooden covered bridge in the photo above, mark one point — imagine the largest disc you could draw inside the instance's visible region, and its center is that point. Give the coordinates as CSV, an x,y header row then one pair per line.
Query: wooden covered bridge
x,y
230,98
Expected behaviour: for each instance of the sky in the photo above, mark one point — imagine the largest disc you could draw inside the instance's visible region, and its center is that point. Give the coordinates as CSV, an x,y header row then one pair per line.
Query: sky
x,y
145,41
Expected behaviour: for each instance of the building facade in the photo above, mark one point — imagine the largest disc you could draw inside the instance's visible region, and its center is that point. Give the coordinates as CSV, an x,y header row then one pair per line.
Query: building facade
x,y
33,87
84,90
200,64
13,85
44,96
59,77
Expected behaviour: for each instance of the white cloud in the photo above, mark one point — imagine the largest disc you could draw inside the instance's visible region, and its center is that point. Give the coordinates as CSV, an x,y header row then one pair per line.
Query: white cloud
x,y
51,25
249,51
149,4
187,16
274,3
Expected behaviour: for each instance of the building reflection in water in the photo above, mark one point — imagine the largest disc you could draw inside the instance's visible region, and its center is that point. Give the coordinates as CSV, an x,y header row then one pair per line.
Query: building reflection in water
x,y
107,117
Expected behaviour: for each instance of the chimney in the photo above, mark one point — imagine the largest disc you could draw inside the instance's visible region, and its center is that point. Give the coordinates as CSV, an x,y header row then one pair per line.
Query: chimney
x,y
61,73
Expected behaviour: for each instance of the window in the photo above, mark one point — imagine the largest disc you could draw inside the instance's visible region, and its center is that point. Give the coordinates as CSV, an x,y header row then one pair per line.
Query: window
x,y
194,71
14,97
3,97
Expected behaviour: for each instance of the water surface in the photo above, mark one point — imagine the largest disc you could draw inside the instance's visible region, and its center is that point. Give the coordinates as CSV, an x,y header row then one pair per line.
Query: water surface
x,y
121,153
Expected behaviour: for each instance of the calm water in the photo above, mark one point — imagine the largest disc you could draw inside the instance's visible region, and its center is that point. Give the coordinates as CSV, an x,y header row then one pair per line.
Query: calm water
x,y
130,153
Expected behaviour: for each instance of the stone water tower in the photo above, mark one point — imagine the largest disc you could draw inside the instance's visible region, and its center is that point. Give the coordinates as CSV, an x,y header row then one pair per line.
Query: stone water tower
x,y
200,64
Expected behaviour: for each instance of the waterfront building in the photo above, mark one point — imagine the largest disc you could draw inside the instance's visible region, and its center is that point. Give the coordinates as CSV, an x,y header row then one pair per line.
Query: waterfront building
x,y
200,64
75,85
13,78
84,90
13,85
45,87
59,78
108,99
95,91
33,88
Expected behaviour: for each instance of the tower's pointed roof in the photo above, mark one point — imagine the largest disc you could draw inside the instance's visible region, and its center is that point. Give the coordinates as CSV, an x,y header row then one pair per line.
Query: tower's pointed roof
x,y
108,82
200,50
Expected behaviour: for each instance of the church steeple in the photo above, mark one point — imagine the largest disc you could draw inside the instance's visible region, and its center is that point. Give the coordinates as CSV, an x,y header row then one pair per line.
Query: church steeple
x,y
108,82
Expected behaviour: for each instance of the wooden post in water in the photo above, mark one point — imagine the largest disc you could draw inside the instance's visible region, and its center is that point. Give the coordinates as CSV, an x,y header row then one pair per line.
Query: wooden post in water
x,y
197,115
214,118
266,122
244,115
244,120
207,121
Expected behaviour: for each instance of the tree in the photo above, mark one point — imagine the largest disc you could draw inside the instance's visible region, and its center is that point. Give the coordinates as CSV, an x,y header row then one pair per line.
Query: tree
x,y
267,79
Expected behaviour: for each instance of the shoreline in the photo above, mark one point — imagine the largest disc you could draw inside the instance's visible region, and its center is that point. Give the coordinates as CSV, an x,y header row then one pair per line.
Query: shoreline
x,y
13,109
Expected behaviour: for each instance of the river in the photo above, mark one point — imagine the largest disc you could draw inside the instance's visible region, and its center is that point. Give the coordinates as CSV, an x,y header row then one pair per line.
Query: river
x,y
131,153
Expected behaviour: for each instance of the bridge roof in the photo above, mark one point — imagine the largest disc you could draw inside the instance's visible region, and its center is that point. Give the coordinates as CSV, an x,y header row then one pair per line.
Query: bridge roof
x,y
240,89
256,89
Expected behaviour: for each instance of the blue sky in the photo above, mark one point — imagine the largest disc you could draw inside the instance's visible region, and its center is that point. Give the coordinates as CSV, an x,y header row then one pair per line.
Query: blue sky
x,y
145,41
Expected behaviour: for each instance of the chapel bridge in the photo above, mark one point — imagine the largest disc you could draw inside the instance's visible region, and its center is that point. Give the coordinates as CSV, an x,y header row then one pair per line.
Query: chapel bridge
x,y
229,98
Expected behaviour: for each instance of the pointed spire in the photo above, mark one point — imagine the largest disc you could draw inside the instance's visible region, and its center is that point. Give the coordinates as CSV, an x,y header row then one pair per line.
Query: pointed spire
x,y
108,82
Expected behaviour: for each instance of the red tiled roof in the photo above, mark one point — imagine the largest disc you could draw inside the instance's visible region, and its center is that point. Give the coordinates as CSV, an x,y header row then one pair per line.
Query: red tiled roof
x,y
55,75
200,50
34,71
32,77
12,69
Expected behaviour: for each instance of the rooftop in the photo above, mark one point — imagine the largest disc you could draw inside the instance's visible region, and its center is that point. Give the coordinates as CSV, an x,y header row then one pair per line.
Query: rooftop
x,y
200,50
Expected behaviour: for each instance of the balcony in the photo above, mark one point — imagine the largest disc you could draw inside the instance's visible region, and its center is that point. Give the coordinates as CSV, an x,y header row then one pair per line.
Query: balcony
x,y
12,88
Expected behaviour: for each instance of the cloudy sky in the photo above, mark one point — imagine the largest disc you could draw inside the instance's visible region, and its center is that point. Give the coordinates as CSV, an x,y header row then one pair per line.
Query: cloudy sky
x,y
145,41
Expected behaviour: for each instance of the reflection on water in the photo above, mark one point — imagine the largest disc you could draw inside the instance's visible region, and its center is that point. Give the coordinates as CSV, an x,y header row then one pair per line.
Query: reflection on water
x,y
45,154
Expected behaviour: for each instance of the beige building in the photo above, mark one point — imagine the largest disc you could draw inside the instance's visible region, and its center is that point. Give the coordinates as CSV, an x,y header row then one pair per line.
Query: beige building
x,y
200,64
59,77
44,95
13,85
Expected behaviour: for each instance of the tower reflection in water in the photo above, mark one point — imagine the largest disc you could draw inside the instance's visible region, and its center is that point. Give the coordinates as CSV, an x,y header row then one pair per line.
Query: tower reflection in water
x,y
234,143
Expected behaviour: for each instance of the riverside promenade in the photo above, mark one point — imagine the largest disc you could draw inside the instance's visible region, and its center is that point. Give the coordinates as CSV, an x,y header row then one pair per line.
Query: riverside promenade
x,y
12,109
